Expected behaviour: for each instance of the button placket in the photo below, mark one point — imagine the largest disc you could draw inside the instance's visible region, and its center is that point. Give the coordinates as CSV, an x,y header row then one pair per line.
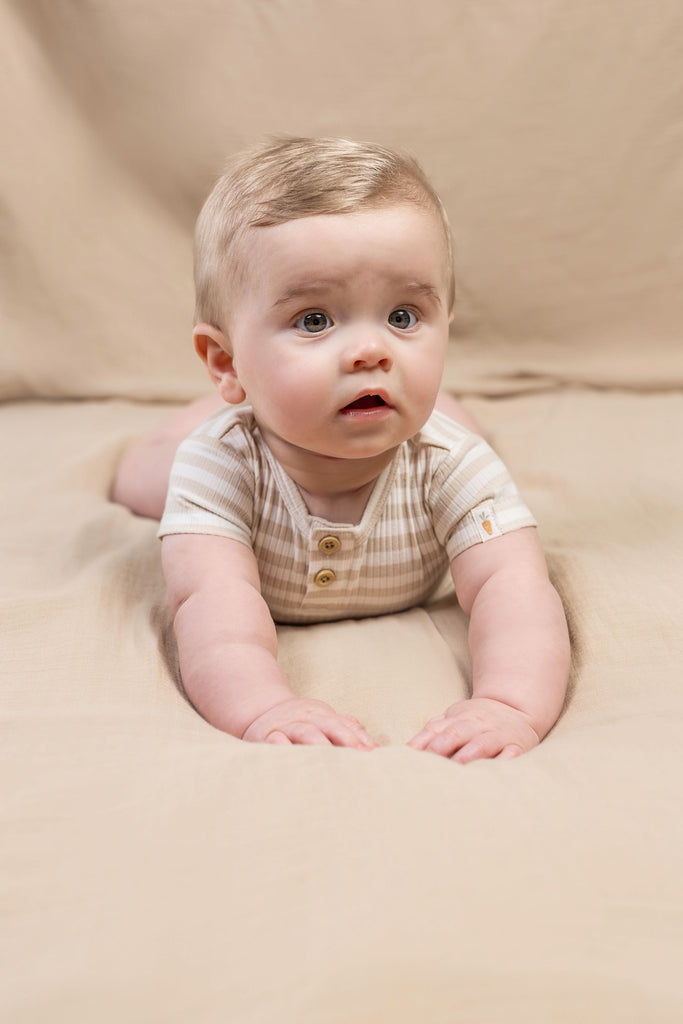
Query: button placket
x,y
324,548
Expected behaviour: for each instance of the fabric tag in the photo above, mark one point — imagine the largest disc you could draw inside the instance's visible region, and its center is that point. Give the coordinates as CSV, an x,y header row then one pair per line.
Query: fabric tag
x,y
484,517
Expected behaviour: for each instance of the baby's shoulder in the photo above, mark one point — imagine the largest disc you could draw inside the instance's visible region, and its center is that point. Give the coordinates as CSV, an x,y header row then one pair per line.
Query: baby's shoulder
x,y
228,420
441,436
225,445
444,454
232,429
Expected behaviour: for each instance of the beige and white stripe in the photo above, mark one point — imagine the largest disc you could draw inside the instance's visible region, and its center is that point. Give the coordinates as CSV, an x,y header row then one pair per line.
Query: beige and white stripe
x,y
444,491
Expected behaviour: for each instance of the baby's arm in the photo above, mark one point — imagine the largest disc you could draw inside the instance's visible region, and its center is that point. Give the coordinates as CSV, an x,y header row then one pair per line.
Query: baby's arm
x,y
227,647
520,653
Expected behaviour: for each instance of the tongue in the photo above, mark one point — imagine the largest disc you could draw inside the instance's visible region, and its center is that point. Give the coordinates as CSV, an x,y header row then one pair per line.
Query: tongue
x,y
366,402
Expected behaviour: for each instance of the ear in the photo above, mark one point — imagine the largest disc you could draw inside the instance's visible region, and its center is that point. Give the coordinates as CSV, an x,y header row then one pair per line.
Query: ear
x,y
215,351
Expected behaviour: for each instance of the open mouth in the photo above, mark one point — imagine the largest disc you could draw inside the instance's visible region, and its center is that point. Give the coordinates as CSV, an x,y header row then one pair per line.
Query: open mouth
x,y
365,402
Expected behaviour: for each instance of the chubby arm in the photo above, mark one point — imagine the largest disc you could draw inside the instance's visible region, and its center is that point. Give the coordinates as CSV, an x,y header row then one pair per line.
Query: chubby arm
x,y
227,646
520,652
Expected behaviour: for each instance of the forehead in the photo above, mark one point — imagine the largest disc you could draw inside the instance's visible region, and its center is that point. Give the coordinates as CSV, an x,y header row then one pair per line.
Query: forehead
x,y
400,244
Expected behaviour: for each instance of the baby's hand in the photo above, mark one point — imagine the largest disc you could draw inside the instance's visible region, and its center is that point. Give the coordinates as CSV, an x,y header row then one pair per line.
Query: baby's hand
x,y
480,727
308,722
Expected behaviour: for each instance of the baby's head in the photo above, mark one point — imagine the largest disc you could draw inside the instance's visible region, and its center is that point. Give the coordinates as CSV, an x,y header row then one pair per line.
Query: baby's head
x,y
290,178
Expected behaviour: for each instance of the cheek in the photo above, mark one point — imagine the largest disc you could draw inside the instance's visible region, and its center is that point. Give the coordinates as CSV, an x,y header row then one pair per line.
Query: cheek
x,y
425,368
302,371
290,385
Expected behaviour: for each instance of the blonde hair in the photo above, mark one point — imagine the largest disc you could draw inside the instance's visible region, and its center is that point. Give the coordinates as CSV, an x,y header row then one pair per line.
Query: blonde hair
x,y
287,178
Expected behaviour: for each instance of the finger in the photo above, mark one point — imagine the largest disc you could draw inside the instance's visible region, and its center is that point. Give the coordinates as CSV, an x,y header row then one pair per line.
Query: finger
x,y
354,724
343,733
306,733
433,727
362,734
510,751
451,737
485,745
419,740
277,737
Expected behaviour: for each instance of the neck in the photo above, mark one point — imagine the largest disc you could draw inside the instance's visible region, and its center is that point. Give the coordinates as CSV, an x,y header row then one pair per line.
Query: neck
x,y
334,489
338,507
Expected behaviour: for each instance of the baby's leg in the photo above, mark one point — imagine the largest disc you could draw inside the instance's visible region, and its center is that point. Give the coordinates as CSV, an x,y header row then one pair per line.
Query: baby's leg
x,y
142,478
450,406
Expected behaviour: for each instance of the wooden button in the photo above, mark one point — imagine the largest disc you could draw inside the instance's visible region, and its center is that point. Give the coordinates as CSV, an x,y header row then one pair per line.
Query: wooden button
x,y
328,545
325,577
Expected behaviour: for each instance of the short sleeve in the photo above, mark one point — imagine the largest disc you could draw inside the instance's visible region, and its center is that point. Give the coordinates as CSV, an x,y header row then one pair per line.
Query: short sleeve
x,y
473,498
211,489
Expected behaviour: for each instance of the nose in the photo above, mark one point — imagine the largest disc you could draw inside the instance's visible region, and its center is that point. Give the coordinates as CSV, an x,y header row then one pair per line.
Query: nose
x,y
367,350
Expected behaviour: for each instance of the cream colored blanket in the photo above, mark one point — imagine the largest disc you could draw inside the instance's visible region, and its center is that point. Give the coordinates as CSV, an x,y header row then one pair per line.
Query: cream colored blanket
x,y
156,870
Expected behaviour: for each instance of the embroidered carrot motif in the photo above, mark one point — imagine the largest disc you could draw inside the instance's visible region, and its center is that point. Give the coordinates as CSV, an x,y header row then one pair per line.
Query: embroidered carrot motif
x,y
486,525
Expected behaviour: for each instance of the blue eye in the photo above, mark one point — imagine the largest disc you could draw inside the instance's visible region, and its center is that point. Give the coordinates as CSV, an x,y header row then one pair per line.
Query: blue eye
x,y
402,318
314,322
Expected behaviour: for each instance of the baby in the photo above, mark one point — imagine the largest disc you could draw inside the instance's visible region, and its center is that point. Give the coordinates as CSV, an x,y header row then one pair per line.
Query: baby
x,y
330,487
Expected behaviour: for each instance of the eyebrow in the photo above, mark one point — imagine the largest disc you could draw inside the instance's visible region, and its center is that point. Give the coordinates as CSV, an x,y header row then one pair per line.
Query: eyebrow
x,y
300,291
418,288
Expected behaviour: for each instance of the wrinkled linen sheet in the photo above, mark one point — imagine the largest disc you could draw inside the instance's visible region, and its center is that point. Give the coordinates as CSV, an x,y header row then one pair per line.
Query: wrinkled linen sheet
x,y
157,869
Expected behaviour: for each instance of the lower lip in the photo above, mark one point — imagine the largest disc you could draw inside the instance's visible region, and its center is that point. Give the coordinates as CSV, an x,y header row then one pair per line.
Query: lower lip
x,y
377,412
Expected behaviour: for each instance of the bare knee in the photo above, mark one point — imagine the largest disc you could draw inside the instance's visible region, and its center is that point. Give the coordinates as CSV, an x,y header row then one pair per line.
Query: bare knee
x,y
450,406
141,480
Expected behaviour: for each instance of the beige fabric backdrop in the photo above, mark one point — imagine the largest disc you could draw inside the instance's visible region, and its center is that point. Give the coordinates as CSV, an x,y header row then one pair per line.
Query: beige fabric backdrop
x,y
550,128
